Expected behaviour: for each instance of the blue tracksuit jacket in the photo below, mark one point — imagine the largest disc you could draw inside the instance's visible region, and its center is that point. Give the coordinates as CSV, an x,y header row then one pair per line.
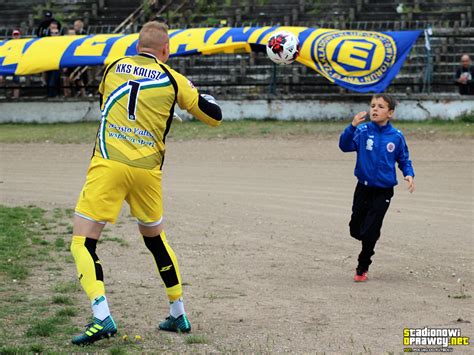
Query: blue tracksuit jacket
x,y
378,148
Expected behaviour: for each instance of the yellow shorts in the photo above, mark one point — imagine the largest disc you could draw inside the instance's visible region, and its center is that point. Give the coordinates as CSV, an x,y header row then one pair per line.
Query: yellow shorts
x,y
110,182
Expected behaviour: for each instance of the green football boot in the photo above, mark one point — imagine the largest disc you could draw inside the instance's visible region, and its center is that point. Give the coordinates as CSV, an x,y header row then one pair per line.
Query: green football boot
x,y
172,324
95,331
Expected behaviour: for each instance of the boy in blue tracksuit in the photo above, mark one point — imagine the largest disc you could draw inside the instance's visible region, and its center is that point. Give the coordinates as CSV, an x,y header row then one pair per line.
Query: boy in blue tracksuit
x,y
379,146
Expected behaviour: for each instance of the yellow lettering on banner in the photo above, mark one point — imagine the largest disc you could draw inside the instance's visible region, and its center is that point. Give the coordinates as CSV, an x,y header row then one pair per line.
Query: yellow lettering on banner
x,y
12,51
37,59
350,49
93,46
219,33
120,47
305,52
193,38
254,36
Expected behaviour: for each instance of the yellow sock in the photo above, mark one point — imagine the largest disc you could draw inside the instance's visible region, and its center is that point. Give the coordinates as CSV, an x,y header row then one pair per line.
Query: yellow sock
x,y
89,270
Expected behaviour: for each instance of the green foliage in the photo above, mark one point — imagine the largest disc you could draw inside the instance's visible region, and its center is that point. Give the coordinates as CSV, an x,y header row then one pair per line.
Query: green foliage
x,y
58,14
147,11
468,117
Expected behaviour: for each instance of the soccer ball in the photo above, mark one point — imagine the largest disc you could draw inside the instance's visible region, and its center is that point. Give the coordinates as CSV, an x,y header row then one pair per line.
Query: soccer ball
x,y
283,47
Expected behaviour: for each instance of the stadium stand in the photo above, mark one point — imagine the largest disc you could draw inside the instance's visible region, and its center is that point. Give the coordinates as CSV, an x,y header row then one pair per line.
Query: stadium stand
x,y
253,74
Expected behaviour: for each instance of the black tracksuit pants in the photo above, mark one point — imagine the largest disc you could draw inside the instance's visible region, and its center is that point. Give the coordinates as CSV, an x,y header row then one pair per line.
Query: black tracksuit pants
x,y
368,210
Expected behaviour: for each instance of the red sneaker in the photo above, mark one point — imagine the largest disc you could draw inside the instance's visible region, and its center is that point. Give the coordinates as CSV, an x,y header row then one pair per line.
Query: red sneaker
x,y
360,278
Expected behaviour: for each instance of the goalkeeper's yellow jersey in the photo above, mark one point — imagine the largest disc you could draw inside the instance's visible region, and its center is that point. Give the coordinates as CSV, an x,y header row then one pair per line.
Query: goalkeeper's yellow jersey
x,y
138,95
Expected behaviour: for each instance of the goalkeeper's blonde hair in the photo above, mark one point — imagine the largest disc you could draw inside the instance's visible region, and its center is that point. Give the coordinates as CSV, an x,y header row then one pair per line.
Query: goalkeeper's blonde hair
x,y
153,35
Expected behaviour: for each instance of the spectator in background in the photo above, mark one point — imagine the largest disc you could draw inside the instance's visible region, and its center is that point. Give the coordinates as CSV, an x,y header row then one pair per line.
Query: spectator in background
x,y
16,34
73,80
54,29
13,81
79,28
71,31
43,27
464,76
53,77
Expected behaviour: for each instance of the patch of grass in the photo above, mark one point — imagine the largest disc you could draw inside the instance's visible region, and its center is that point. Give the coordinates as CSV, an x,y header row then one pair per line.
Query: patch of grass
x,y
59,243
66,287
117,350
38,241
462,292
13,350
467,117
196,339
58,132
461,297
122,242
85,132
16,231
33,321
66,312
54,268
18,298
60,299
58,213
43,327
69,212
37,348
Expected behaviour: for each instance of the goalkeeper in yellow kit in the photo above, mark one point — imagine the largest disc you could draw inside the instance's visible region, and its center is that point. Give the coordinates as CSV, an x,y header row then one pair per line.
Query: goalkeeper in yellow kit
x,y
138,95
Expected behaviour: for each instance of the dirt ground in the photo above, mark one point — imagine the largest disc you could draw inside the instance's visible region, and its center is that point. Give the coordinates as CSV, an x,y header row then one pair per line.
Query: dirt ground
x,y
260,230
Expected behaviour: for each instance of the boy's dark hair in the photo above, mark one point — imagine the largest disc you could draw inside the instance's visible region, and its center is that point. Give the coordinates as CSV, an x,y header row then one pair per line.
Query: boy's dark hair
x,y
389,99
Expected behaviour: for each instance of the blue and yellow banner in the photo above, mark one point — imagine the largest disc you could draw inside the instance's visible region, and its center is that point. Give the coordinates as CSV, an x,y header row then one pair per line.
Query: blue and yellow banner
x,y
361,61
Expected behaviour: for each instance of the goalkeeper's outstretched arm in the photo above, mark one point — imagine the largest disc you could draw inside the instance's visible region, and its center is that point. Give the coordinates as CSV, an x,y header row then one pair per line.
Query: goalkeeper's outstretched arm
x,y
207,110
202,106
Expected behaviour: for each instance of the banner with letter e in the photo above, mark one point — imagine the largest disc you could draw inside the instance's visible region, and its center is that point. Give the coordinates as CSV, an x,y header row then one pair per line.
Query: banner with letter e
x,y
362,61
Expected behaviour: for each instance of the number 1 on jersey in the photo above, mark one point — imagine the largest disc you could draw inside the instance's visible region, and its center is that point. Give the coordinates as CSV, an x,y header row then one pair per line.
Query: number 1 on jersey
x,y
132,99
